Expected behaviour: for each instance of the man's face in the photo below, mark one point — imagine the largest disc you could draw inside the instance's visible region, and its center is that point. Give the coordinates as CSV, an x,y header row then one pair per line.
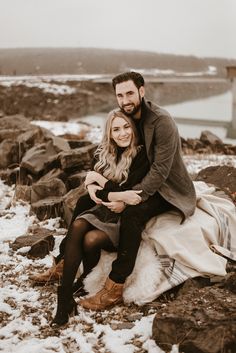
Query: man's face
x,y
129,97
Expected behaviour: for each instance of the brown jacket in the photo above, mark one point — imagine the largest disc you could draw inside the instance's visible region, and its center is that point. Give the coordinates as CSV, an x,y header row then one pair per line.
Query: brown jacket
x,y
168,174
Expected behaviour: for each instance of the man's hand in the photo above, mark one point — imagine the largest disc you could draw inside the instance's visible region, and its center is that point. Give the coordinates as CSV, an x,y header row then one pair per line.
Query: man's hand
x,y
92,188
115,206
131,197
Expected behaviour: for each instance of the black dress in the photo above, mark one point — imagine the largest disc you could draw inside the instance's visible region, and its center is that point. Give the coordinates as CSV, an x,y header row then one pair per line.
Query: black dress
x,y
102,217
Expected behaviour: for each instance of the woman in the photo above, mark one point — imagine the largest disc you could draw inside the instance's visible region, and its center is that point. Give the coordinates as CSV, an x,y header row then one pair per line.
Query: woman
x,y
119,164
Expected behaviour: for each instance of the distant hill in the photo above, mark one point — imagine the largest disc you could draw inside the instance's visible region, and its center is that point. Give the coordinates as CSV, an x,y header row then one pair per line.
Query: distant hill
x,y
91,60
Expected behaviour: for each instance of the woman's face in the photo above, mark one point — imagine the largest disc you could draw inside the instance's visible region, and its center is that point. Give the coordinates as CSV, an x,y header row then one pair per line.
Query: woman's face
x,y
121,132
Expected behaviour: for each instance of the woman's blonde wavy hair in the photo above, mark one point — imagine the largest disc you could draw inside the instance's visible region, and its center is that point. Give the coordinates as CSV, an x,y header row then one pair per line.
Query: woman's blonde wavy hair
x,y
106,152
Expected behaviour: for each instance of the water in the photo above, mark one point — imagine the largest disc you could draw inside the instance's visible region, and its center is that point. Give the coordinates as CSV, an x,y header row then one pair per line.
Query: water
x,y
215,108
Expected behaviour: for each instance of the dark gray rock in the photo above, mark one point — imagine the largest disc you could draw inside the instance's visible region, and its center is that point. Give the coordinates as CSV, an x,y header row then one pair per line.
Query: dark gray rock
x,y
209,138
9,153
202,321
223,177
23,192
40,240
44,189
49,207
76,180
38,158
77,159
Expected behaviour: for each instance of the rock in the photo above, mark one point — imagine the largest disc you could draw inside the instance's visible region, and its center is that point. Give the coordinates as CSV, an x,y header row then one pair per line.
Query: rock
x,y
60,144
202,321
70,200
134,317
44,189
41,242
192,284
49,207
23,192
52,174
209,138
230,282
223,177
9,153
208,143
33,136
14,122
38,158
122,326
9,134
78,143
76,179
77,159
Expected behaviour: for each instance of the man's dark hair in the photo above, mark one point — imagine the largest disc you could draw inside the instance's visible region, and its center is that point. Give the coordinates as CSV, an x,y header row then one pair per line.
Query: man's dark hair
x,y
136,77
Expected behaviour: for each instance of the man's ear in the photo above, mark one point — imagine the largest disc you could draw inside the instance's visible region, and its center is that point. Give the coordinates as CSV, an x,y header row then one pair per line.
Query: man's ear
x,y
142,91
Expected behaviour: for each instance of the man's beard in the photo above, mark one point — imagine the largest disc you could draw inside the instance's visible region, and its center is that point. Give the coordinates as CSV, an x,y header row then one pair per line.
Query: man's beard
x,y
136,108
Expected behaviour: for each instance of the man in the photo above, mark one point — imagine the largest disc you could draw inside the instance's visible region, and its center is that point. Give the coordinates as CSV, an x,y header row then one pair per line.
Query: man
x,y
167,184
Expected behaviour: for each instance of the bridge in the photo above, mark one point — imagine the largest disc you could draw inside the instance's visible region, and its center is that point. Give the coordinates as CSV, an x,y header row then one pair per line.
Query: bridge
x,y
162,80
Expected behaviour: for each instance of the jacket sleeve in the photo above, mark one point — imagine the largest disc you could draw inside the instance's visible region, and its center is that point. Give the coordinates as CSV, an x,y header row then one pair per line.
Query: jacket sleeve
x,y
165,142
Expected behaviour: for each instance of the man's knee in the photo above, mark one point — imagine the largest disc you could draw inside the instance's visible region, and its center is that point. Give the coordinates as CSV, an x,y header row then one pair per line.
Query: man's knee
x,y
130,213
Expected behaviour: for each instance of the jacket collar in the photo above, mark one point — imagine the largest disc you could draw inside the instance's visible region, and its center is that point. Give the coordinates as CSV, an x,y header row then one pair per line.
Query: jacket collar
x,y
148,116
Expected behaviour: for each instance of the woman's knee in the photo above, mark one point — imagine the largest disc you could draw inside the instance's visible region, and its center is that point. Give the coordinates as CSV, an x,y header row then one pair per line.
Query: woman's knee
x,y
79,226
91,240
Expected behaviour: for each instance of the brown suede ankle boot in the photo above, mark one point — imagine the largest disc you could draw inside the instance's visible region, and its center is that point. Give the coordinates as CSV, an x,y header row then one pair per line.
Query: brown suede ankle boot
x,y
53,274
108,296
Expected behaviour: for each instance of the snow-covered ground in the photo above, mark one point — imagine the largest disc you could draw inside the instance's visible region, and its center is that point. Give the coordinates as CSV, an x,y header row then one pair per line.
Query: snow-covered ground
x,y
26,311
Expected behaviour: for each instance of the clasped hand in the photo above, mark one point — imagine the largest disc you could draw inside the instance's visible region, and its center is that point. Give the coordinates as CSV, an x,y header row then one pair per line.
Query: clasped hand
x,y
131,197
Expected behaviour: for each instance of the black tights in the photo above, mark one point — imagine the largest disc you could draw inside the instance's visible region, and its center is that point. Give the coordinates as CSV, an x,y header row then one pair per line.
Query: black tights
x,y
84,243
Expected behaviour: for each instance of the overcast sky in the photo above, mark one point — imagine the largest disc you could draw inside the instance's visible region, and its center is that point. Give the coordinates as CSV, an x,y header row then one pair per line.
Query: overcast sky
x,y
196,27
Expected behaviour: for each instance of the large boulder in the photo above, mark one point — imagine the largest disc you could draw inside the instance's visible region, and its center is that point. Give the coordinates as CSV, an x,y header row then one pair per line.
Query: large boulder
x,y
201,321
46,188
76,179
49,207
9,153
77,159
223,177
208,138
39,240
38,158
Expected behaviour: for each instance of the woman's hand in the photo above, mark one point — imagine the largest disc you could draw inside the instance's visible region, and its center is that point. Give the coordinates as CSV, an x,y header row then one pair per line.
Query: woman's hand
x,y
94,177
92,188
115,206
